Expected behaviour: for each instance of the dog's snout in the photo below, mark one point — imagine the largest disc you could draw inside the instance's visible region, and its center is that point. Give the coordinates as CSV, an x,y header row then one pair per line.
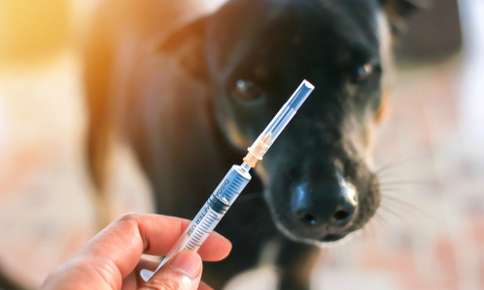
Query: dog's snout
x,y
329,205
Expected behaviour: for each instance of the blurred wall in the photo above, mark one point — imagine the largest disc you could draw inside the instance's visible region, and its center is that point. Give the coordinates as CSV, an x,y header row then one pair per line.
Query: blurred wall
x,y
472,89
33,31
433,34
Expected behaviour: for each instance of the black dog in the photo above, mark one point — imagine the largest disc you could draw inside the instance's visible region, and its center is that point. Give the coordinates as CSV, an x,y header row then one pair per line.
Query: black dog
x,y
191,102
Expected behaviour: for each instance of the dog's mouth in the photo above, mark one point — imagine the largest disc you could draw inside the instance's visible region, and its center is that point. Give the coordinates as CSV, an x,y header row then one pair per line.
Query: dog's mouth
x,y
332,238
324,239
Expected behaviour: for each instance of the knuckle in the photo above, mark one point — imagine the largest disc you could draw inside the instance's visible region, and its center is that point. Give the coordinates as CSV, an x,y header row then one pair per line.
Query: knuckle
x,y
50,279
163,284
129,218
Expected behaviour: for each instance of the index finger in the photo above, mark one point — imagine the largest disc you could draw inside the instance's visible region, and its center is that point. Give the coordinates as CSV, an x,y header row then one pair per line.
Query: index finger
x,y
124,241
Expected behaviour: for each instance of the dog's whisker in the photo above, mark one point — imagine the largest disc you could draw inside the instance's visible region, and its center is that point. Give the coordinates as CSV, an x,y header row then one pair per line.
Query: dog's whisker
x,y
405,181
411,211
399,189
398,161
395,190
388,210
386,170
401,204
402,188
396,199
406,206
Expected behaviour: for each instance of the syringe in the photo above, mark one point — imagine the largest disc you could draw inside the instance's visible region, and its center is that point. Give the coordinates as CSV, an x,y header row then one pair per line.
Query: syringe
x,y
234,181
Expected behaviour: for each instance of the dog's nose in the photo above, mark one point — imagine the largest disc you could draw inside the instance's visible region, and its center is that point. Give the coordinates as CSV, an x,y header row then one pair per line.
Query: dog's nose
x,y
330,205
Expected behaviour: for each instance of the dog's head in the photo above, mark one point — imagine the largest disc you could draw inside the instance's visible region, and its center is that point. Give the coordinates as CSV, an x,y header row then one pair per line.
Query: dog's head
x,y
252,53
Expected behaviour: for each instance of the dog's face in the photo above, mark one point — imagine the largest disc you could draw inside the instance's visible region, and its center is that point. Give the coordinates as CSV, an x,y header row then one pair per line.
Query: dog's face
x,y
318,180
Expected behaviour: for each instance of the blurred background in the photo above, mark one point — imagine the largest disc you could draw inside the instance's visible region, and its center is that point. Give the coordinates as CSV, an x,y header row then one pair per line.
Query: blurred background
x,y
429,233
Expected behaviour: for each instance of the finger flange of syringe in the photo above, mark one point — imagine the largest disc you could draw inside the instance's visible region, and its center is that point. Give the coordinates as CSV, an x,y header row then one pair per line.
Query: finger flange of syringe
x,y
234,181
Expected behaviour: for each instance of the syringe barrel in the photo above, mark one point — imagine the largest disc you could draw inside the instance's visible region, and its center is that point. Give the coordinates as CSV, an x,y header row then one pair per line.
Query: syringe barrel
x,y
232,184
212,211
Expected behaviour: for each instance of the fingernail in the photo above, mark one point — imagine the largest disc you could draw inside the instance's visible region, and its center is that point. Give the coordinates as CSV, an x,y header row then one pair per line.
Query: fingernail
x,y
187,263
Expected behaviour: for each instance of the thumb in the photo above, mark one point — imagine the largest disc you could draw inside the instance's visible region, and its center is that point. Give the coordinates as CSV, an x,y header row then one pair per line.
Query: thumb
x,y
183,272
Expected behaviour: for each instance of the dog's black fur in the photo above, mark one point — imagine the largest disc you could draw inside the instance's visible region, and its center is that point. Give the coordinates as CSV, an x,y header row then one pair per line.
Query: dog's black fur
x,y
189,103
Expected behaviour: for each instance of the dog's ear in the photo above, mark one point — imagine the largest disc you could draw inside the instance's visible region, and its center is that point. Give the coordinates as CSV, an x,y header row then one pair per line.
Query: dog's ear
x,y
398,11
186,45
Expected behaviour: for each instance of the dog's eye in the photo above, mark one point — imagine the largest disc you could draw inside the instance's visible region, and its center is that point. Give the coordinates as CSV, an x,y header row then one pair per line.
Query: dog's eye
x,y
364,72
247,91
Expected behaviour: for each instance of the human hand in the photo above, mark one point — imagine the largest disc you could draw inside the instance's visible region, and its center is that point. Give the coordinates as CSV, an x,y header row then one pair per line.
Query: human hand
x,y
110,261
